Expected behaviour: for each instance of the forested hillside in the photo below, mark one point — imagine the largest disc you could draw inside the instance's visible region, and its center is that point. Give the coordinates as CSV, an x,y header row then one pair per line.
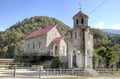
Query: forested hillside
x,y
107,50
12,39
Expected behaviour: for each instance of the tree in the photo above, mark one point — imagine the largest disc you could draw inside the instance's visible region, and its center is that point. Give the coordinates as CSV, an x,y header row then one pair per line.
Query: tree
x,y
105,57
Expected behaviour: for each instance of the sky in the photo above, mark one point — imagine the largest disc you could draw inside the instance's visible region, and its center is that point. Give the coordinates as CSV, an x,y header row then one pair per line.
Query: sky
x,y
106,16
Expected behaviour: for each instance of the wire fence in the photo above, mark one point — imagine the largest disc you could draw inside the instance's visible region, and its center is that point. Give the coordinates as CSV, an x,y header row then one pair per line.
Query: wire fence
x,y
40,72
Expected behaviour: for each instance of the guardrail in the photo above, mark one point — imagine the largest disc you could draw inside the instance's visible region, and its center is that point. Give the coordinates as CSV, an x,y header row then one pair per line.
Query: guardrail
x,y
39,72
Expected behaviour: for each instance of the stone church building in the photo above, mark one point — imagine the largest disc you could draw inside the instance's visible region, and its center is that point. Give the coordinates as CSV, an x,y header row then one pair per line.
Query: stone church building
x,y
47,41
77,46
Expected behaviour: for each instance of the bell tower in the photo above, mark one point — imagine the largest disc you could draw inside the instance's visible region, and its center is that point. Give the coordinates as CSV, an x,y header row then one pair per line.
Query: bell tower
x,y
80,19
80,43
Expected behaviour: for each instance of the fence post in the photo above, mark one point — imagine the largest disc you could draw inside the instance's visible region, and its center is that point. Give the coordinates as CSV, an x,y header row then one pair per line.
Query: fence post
x,y
54,72
39,70
84,73
14,71
22,65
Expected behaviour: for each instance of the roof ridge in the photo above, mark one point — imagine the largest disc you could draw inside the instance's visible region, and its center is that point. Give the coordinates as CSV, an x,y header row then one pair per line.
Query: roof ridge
x,y
40,32
58,38
81,13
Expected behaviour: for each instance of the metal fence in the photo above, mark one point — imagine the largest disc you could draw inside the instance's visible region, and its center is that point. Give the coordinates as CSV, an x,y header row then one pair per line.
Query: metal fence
x,y
39,72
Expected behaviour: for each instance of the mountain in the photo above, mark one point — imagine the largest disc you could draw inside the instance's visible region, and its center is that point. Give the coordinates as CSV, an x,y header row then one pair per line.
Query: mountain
x,y
111,32
12,39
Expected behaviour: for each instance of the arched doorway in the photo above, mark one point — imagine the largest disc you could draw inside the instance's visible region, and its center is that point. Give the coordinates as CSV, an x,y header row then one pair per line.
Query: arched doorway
x,y
74,59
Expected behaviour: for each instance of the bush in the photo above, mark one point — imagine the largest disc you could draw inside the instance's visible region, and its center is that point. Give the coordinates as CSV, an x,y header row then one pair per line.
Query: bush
x,y
55,63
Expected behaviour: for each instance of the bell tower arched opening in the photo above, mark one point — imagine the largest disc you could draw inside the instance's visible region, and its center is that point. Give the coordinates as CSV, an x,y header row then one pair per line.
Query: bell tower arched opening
x,y
80,19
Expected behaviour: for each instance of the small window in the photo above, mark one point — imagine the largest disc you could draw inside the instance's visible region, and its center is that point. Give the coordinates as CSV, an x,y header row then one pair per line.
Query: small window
x,y
76,21
62,29
75,34
28,46
71,34
33,45
79,33
39,44
82,21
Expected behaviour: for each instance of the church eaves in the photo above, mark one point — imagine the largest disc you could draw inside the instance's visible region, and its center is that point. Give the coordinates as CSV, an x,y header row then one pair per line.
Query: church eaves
x,y
58,39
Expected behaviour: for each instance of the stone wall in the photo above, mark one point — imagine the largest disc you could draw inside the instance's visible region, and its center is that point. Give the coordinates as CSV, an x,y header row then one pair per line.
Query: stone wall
x,y
51,35
81,41
89,48
36,45
63,48
44,44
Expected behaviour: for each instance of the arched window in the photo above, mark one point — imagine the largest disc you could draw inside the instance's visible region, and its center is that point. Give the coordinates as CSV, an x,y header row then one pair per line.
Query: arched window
x,y
33,45
39,44
75,34
82,21
28,46
76,21
56,50
71,34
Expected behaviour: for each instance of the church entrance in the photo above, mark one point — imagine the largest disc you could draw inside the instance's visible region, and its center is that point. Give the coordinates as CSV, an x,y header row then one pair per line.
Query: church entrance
x,y
74,59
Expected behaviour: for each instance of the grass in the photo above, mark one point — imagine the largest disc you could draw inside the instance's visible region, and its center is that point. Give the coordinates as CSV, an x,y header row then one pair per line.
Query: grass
x,y
67,78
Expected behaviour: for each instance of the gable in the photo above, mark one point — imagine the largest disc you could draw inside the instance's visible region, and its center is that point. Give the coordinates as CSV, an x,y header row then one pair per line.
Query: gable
x,y
58,39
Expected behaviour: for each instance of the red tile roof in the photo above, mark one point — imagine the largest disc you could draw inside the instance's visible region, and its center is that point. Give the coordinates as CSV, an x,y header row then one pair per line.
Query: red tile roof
x,y
80,13
58,39
6,60
86,27
40,32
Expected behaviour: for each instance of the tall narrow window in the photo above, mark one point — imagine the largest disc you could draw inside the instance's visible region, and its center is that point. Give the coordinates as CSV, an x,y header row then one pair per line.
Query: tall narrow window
x,y
33,45
76,21
56,50
82,21
28,46
71,34
39,44
75,34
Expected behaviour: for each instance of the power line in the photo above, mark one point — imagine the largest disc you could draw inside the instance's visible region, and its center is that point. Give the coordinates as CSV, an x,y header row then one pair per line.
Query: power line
x,y
98,6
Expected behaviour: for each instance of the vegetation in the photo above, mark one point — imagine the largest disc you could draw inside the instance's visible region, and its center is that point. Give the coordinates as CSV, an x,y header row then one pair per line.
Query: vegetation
x,y
69,78
55,63
107,48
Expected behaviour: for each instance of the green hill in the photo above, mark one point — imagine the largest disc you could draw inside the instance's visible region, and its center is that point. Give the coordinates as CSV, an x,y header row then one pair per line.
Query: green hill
x,y
12,39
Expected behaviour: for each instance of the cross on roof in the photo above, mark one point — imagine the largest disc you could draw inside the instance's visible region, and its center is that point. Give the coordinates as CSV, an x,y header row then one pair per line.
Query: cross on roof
x,y
80,6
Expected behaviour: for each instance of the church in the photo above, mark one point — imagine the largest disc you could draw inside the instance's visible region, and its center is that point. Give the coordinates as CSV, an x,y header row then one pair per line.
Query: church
x,y
77,46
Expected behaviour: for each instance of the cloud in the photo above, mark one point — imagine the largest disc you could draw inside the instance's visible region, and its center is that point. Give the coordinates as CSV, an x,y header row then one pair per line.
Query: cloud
x,y
116,27
2,29
100,24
